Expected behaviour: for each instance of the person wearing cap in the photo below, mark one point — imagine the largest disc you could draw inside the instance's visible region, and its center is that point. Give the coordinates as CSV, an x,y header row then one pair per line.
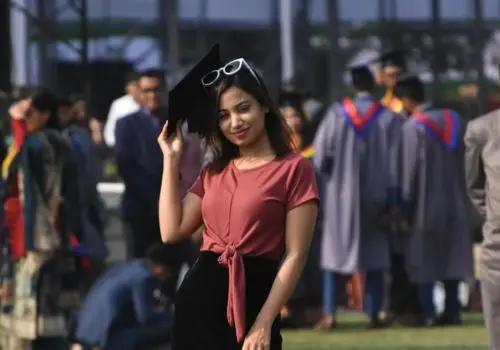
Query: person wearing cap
x,y
435,203
118,312
257,200
355,154
481,165
392,64
401,304
123,106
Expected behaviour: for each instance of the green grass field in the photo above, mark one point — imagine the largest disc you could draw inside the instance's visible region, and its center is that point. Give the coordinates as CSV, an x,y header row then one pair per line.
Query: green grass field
x,y
352,336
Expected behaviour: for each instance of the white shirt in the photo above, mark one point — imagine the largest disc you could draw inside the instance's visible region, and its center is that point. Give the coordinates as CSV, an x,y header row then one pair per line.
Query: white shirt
x,y
120,108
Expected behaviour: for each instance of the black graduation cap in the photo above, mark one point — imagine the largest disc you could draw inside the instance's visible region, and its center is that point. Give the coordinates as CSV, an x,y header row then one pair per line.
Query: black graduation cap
x,y
407,83
360,74
395,58
190,101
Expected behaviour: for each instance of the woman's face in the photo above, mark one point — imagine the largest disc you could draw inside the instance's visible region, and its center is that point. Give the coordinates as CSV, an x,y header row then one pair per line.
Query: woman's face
x,y
390,76
241,117
292,118
35,119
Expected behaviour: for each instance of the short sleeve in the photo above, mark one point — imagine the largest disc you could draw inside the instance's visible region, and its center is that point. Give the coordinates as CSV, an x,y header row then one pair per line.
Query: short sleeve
x,y
198,187
301,185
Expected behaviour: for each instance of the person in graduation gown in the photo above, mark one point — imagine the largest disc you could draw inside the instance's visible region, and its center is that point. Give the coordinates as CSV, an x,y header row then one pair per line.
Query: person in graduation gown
x,y
435,200
356,147
392,64
482,173
401,304
292,108
258,202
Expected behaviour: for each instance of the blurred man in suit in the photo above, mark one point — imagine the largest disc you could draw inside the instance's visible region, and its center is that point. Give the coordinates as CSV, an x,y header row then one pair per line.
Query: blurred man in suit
x,y
121,107
140,164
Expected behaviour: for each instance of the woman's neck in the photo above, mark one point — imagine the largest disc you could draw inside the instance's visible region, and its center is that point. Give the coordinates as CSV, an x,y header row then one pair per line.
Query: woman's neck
x,y
258,149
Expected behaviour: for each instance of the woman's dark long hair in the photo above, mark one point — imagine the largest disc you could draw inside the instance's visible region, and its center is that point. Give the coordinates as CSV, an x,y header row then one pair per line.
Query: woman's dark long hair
x,y
223,151
295,100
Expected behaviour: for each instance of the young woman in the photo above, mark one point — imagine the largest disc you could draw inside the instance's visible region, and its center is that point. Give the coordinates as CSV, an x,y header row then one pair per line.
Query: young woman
x,y
258,202
292,109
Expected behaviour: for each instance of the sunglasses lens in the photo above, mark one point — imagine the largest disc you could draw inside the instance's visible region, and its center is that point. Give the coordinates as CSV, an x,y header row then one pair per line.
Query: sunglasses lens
x,y
210,78
233,67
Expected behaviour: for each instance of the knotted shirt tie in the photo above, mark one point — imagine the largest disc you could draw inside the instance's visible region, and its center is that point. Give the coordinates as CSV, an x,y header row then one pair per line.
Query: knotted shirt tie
x,y
232,259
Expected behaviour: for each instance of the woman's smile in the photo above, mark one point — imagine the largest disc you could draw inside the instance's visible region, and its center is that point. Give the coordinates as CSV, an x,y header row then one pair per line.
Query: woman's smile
x,y
240,134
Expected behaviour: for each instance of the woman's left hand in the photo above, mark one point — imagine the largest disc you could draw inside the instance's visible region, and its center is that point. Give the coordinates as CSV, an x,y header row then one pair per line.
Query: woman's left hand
x,y
259,338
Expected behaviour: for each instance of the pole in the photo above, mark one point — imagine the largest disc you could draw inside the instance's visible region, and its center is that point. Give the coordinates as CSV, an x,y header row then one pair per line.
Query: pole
x,y
85,56
163,21
43,45
19,41
286,35
382,19
174,60
437,52
201,33
336,81
303,51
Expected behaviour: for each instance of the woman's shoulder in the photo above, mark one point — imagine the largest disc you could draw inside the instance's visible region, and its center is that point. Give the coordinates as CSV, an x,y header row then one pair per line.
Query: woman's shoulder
x,y
294,160
290,166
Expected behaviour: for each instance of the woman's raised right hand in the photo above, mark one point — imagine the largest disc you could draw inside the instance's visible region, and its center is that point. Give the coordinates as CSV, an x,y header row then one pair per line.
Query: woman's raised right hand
x,y
171,146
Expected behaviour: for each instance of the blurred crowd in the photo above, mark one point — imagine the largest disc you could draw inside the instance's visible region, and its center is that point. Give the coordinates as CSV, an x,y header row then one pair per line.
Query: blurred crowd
x,y
56,287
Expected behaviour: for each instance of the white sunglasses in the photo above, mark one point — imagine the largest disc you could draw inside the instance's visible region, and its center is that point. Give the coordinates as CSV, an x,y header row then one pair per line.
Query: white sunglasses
x,y
230,68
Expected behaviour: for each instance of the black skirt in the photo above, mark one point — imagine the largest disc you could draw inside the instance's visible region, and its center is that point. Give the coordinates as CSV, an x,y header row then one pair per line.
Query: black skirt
x,y
200,319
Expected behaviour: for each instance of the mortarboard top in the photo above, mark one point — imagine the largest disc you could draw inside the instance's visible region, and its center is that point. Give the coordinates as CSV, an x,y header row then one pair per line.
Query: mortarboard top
x,y
360,72
190,101
395,58
406,83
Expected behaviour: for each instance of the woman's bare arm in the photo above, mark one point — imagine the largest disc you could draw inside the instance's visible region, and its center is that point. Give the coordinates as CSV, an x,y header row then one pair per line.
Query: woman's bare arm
x,y
300,223
178,219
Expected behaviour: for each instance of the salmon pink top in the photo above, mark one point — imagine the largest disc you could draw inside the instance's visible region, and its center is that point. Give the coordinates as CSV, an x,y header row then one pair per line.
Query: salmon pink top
x,y
244,213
